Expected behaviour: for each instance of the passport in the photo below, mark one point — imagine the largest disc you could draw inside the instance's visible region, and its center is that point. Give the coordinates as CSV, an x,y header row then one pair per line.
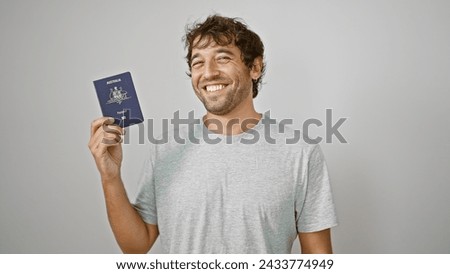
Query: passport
x,y
118,99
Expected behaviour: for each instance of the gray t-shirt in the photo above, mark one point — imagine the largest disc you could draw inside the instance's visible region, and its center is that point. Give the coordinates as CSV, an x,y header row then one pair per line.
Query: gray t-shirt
x,y
234,197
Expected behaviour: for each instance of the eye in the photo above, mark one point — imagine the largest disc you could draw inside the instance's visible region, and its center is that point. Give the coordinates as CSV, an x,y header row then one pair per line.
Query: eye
x,y
196,64
223,59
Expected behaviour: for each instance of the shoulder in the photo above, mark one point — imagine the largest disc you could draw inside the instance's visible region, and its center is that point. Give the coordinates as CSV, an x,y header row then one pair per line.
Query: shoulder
x,y
282,135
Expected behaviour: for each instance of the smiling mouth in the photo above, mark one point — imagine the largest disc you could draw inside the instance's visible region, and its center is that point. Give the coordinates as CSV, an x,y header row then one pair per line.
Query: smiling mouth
x,y
214,88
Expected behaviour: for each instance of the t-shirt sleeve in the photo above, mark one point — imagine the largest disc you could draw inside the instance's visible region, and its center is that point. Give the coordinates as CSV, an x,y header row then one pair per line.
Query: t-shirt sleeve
x,y
314,206
145,203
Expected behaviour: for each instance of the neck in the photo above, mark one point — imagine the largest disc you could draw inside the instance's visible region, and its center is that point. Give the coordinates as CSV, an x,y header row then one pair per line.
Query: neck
x,y
235,122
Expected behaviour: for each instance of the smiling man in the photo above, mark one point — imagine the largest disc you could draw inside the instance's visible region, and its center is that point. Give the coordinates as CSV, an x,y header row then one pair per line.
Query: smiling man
x,y
233,196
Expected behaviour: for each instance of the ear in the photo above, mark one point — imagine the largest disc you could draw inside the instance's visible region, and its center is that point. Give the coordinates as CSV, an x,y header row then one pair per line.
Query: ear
x,y
256,69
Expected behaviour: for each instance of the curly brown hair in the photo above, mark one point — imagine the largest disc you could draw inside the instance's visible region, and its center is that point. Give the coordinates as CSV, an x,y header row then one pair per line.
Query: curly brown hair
x,y
225,31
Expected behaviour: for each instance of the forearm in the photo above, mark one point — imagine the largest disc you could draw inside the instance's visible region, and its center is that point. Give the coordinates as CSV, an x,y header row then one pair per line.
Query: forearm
x,y
129,229
316,242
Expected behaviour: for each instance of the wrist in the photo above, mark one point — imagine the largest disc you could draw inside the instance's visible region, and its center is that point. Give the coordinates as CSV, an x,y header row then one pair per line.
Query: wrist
x,y
111,179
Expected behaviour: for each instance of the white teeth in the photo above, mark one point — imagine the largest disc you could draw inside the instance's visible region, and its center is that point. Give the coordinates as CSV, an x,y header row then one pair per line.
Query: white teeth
x,y
214,88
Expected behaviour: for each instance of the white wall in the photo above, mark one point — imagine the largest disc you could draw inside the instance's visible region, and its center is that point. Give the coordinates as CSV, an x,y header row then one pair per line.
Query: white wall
x,y
384,65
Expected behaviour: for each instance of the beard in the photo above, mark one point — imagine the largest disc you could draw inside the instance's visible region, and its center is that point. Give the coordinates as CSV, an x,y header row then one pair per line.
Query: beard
x,y
225,100
222,106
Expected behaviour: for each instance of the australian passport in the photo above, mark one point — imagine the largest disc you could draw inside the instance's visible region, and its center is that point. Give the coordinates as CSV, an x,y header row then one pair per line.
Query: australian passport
x,y
118,99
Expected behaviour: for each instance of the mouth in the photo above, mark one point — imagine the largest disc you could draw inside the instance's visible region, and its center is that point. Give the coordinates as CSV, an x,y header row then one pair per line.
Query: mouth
x,y
214,88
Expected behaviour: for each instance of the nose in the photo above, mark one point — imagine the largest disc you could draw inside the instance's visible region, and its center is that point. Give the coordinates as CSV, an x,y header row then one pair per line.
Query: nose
x,y
211,70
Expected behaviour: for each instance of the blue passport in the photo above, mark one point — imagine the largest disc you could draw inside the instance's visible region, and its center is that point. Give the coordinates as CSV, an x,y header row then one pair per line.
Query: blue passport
x,y
118,99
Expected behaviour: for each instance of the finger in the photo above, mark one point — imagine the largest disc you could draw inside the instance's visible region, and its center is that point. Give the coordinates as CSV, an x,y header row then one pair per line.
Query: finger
x,y
108,141
105,143
96,137
99,122
100,134
109,138
105,126
113,129
95,140
101,144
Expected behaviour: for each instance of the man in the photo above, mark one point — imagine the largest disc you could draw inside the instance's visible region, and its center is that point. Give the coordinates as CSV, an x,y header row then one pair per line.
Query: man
x,y
238,194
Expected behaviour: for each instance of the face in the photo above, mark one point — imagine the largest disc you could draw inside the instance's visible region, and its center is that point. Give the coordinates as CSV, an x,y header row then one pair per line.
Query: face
x,y
220,78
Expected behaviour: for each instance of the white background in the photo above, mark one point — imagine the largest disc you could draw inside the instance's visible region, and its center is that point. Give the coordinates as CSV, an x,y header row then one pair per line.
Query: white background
x,y
384,65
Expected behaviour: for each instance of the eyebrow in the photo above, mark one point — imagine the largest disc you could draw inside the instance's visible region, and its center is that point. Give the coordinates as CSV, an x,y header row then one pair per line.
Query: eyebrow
x,y
194,56
219,50
224,50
